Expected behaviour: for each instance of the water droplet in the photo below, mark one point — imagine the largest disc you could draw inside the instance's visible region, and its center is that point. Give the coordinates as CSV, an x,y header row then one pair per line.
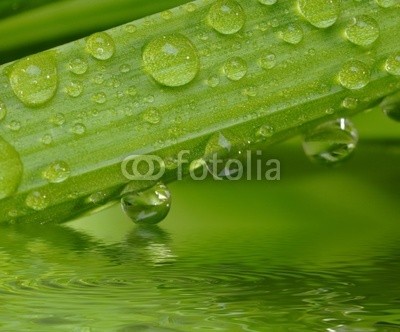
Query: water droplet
x,y
264,132
131,91
78,66
130,28
250,91
292,33
100,45
47,139
172,60
226,16
79,129
362,30
320,13
267,2
74,89
190,7
99,98
14,125
10,169
125,68
34,79
354,75
213,81
57,119
392,64
3,110
235,68
391,106
152,116
37,201
350,103
166,15
147,207
57,172
387,3
267,61
97,198
331,143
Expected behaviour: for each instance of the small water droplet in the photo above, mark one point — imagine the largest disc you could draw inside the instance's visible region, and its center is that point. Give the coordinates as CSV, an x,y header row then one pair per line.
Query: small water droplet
x,y
99,98
100,45
46,139
292,33
267,61
10,169
190,7
14,125
250,91
57,172
213,81
392,64
331,143
172,60
78,66
264,132
125,68
34,79
131,91
147,207
152,116
350,103
226,16
391,106
362,30
130,28
267,2
57,119
78,129
97,198
354,75
74,89
37,201
387,3
166,15
320,13
3,111
235,68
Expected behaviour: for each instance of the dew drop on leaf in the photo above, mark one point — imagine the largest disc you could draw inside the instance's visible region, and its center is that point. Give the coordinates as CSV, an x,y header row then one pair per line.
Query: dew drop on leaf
x,y
37,201
10,169
226,17
56,172
78,66
147,207
100,45
391,106
392,64
235,68
292,33
152,116
172,60
267,61
320,13
74,89
362,30
331,143
354,75
267,2
34,79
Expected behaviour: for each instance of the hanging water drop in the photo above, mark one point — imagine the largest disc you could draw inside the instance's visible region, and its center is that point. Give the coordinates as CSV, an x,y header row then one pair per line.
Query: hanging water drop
x,y
320,13
10,169
172,60
331,143
226,16
362,30
37,201
57,172
391,106
392,64
147,207
354,75
100,45
292,33
34,79
235,68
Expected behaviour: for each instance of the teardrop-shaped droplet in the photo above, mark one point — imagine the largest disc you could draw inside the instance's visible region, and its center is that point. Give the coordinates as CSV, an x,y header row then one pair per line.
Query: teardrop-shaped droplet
x,y
57,172
34,79
10,169
172,60
235,68
226,16
354,75
331,143
100,45
320,13
147,207
391,106
362,30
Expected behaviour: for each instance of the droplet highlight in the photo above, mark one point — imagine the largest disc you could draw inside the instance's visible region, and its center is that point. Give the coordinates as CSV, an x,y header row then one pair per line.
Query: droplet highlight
x,y
147,207
362,30
172,60
354,75
320,13
226,17
11,169
100,45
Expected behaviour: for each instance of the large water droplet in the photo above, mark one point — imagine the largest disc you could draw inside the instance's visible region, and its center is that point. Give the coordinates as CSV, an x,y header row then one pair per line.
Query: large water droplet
x,y
226,16
235,68
331,143
362,30
10,169
57,172
387,3
391,106
34,79
37,201
292,33
147,207
320,13
392,64
171,60
354,75
100,45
